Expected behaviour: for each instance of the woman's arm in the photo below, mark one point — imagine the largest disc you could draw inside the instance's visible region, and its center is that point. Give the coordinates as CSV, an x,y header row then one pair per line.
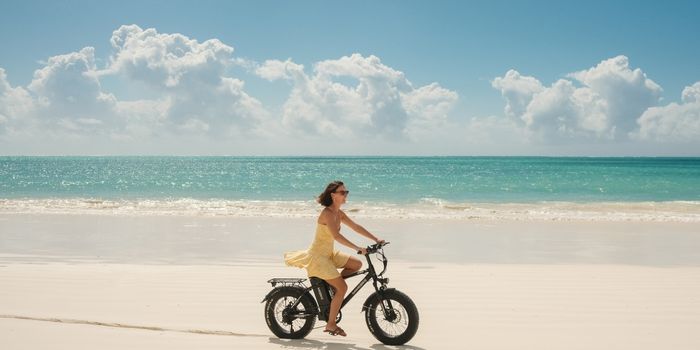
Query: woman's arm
x,y
325,219
357,228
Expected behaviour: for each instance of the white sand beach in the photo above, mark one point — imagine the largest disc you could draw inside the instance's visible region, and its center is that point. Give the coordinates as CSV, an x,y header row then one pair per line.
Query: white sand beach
x,y
159,282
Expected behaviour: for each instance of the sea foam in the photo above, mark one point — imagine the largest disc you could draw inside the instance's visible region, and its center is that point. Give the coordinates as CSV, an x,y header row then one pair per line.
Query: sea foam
x,y
430,208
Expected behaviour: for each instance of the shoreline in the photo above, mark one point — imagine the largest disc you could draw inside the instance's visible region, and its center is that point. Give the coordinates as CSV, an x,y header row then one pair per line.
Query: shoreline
x,y
646,211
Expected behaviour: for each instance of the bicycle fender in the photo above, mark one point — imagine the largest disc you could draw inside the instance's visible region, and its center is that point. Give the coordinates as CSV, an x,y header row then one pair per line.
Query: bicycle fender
x,y
373,296
277,289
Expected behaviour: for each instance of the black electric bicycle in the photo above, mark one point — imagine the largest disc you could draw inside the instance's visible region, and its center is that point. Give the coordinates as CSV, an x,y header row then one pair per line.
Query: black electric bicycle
x,y
291,310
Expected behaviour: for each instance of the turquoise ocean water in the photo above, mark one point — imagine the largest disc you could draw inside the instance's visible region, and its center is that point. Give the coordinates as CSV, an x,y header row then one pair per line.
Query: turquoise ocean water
x,y
377,182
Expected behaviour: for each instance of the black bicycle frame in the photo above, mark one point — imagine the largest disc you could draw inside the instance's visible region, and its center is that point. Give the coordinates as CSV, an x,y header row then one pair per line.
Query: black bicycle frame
x,y
371,275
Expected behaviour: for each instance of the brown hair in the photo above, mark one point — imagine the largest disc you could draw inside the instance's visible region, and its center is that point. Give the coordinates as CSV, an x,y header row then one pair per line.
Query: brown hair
x,y
325,198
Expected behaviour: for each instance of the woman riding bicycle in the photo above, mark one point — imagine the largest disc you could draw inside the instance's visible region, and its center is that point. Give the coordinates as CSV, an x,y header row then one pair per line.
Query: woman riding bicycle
x,y
321,259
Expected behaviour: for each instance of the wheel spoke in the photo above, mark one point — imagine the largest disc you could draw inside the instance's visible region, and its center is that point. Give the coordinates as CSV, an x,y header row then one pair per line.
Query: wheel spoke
x,y
284,304
399,322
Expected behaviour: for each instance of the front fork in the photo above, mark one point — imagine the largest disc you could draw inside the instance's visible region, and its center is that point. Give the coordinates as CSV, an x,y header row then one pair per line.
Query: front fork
x,y
388,309
380,285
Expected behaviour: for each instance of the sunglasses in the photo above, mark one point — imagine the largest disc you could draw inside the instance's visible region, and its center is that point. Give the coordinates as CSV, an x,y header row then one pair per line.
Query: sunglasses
x,y
343,193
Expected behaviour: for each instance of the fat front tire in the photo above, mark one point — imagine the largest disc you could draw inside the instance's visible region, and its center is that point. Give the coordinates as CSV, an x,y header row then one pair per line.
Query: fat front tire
x,y
279,311
395,323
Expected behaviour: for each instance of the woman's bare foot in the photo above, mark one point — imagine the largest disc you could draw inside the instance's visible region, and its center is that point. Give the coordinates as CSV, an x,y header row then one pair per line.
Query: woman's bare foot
x,y
335,331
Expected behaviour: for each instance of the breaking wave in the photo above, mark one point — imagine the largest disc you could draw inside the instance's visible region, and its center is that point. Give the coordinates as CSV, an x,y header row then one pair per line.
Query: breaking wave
x,y
426,208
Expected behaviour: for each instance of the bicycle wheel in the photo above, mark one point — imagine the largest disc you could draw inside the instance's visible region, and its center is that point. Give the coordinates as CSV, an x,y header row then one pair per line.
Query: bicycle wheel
x,y
290,322
396,322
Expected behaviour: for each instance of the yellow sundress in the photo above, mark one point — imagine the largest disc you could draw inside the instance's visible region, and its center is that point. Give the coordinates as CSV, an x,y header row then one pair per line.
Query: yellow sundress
x,y
321,259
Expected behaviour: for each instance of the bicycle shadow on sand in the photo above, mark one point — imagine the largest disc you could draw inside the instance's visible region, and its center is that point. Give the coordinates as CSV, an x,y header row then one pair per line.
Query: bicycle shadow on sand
x,y
315,344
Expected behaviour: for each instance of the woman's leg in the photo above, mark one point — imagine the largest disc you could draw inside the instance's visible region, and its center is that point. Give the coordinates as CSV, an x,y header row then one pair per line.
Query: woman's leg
x,y
353,264
340,289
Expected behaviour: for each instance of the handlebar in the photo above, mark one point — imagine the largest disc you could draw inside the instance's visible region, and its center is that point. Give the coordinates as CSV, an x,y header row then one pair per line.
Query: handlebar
x,y
375,247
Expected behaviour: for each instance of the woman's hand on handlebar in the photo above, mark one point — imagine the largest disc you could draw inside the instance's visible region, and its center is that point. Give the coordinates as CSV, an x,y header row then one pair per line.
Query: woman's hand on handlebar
x,y
375,247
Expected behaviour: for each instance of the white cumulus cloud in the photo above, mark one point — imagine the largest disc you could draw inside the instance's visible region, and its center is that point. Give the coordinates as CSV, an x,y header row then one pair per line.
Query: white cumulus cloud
x,y
16,105
518,91
274,69
357,96
627,92
197,96
190,92
167,60
601,102
691,93
64,98
68,93
673,122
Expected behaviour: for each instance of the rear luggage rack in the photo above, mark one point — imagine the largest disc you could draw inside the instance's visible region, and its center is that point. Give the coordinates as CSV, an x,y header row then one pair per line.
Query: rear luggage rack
x,y
287,281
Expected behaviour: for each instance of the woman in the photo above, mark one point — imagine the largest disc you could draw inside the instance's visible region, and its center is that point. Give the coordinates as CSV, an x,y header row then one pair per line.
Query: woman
x,y
321,259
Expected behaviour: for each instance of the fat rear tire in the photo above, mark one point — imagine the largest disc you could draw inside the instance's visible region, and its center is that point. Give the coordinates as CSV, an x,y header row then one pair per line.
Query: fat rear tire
x,y
279,303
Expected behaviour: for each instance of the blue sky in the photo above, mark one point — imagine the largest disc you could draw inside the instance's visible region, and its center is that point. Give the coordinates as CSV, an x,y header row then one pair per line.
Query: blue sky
x,y
461,46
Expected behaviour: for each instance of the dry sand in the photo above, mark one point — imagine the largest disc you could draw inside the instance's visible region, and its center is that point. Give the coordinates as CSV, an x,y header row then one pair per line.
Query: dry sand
x,y
75,282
